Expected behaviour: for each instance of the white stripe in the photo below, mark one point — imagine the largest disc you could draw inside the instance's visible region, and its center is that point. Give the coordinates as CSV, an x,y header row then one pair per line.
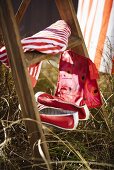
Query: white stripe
x,y
31,71
2,48
3,55
31,47
96,29
89,23
84,14
79,12
39,68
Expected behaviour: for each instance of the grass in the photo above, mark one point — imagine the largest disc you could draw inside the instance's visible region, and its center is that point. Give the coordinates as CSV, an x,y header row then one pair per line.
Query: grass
x,y
90,146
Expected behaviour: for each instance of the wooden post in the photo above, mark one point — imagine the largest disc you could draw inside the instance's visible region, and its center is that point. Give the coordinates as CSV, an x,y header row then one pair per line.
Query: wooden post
x,y
21,11
67,12
22,81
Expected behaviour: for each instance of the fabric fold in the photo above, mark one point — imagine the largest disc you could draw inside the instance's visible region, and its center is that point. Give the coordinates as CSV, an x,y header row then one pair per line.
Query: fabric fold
x,y
77,80
52,40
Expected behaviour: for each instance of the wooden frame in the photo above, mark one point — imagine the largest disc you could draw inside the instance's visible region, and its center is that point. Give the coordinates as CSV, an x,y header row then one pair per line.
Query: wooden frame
x,y
20,63
22,82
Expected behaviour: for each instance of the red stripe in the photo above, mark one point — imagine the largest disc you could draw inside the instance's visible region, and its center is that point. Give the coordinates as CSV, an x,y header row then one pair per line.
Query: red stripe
x,y
112,71
40,44
35,43
36,68
103,31
49,48
4,57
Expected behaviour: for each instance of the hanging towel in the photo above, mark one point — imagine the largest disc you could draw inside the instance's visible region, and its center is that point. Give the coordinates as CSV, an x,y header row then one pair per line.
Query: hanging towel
x,y
96,19
77,80
52,40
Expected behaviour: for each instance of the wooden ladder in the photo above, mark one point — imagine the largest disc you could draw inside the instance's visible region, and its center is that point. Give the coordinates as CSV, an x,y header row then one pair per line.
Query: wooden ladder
x,y
20,61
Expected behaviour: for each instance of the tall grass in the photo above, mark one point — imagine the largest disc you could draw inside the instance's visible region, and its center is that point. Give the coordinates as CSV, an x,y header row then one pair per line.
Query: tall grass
x,y
90,146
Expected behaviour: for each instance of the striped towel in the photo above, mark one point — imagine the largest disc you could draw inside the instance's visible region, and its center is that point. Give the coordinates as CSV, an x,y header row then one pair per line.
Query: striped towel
x,y
52,40
96,19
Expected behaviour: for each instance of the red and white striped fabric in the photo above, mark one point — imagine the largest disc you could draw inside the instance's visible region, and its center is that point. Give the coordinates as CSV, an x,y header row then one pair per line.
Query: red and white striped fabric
x,y
96,19
52,40
34,71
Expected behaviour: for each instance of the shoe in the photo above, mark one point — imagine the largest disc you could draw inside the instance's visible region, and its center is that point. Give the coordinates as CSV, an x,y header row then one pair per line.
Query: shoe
x,y
46,100
59,119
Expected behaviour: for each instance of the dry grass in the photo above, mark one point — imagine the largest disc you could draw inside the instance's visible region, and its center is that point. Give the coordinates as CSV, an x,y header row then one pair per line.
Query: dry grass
x,y
90,146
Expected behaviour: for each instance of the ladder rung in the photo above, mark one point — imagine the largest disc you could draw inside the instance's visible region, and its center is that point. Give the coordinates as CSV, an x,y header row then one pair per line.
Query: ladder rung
x,y
35,57
74,41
